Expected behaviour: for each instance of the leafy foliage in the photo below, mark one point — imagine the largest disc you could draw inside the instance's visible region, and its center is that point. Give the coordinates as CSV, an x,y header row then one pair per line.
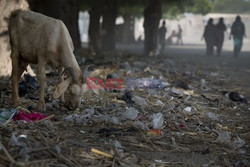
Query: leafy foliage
x,y
231,6
171,8
198,6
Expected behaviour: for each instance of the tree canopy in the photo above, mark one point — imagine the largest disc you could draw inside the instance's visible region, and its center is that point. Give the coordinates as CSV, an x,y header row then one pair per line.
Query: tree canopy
x,y
231,6
173,8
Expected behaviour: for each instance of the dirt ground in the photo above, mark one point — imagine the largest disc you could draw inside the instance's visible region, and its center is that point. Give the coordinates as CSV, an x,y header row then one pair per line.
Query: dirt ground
x,y
201,125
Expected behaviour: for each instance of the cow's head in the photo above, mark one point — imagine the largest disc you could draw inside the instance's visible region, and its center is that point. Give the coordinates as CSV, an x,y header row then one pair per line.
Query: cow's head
x,y
72,88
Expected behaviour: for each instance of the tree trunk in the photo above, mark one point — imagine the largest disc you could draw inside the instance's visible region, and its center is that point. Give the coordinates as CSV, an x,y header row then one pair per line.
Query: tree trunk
x,y
128,29
94,28
152,16
108,25
6,7
65,10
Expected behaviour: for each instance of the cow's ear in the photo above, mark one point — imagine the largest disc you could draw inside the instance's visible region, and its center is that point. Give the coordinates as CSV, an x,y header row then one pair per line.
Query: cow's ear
x,y
62,87
85,89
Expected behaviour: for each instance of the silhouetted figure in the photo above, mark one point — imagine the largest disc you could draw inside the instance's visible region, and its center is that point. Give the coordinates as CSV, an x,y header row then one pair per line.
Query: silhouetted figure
x,y
162,35
169,39
179,36
210,36
238,32
221,28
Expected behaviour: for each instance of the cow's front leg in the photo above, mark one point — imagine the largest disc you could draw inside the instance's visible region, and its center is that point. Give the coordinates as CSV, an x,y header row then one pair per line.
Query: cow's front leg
x,y
14,76
42,83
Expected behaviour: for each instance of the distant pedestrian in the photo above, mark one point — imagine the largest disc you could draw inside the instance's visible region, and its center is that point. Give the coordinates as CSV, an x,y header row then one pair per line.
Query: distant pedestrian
x,y
210,36
221,28
162,35
238,32
179,36
170,38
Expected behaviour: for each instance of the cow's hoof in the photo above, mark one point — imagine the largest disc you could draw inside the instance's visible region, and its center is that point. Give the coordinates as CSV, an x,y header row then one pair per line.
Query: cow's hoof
x,y
41,106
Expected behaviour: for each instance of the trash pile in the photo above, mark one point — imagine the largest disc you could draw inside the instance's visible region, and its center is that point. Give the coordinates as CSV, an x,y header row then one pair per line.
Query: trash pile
x,y
164,115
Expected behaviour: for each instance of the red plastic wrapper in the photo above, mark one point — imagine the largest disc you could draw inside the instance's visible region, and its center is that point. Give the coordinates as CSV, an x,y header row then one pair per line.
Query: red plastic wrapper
x,y
155,132
28,117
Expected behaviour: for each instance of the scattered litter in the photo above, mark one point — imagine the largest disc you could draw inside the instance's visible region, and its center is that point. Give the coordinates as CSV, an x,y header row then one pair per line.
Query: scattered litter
x,y
82,118
131,113
203,84
114,120
234,96
140,101
85,116
27,117
187,115
165,84
238,143
181,84
118,146
127,97
155,132
7,115
188,109
213,116
147,69
179,91
28,84
223,137
20,140
159,102
157,120
214,74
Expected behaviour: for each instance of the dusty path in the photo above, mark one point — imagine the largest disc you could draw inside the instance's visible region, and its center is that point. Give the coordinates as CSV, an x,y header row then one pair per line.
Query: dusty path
x,y
236,69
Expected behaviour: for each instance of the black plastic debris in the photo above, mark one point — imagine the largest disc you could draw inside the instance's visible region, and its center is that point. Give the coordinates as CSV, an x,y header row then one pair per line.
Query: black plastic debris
x,y
127,97
181,84
110,131
28,84
234,96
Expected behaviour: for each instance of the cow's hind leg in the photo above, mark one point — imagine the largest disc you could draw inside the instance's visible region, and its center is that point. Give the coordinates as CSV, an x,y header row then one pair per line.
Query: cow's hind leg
x,y
42,83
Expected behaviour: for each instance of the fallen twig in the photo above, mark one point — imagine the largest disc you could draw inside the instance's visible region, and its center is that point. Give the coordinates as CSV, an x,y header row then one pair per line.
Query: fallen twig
x,y
48,117
7,153
101,153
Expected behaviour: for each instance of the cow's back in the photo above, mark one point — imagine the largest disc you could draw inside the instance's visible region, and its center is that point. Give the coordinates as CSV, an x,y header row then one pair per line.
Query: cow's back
x,y
33,33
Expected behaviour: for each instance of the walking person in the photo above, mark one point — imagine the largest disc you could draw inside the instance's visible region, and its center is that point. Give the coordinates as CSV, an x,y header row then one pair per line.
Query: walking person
x,y
238,32
162,35
210,37
179,36
220,30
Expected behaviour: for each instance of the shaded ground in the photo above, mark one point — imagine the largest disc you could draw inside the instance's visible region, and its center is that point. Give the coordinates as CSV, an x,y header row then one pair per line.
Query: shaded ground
x,y
237,69
216,132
